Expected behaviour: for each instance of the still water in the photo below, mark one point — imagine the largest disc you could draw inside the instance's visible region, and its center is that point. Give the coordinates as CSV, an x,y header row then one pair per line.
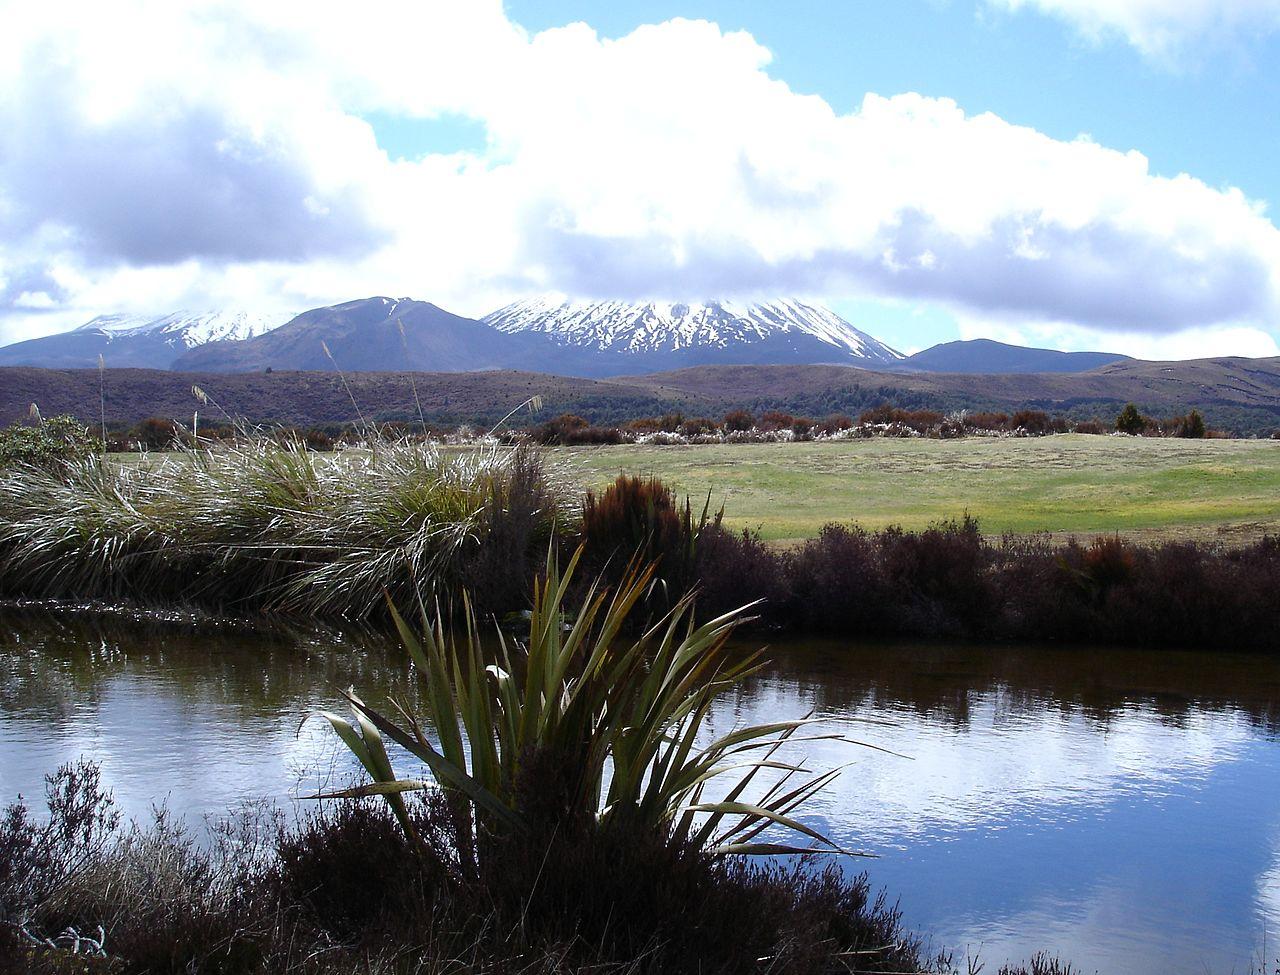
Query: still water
x,y
1119,808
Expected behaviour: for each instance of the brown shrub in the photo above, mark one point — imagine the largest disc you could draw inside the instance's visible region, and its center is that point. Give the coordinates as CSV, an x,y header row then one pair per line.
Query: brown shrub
x,y
772,420
155,433
1033,421
639,518
697,425
569,430
988,421
919,420
835,423
802,427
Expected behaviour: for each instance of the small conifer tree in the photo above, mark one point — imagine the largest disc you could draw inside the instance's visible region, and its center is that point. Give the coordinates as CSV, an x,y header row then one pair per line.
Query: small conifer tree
x,y
1130,420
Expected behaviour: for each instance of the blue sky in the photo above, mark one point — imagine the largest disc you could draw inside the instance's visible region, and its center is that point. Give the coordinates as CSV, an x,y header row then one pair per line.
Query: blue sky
x,y
933,169
1209,112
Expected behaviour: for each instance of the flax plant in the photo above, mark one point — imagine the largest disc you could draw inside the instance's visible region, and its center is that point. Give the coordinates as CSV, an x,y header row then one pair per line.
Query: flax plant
x,y
623,719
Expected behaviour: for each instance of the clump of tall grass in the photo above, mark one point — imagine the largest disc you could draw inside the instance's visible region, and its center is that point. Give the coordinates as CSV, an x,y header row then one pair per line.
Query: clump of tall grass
x,y
266,524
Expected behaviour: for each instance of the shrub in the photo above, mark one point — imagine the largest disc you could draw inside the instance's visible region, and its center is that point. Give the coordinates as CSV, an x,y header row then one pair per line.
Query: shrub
x,y
1035,422
558,430
698,425
939,575
670,422
837,585
1095,427
885,414
345,890
835,423
38,861
738,421
987,421
155,433
595,436
49,444
802,427
1130,421
639,518
569,430
583,731
771,420
732,568
351,869
497,562
1190,426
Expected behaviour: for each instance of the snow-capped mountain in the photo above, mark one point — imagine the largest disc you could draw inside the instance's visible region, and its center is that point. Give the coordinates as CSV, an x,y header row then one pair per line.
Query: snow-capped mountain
x,y
140,341
797,330
189,329
550,335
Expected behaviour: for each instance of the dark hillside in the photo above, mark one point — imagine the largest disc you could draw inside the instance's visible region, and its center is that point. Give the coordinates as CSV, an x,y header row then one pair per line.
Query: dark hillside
x,y
1241,395
988,356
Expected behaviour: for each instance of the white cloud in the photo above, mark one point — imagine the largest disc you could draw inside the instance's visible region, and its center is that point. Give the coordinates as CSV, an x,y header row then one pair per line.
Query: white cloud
x,y
214,152
1160,29
1191,343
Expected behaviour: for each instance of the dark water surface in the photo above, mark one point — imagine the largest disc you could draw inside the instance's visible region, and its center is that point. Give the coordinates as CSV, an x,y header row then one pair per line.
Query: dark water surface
x,y
1119,808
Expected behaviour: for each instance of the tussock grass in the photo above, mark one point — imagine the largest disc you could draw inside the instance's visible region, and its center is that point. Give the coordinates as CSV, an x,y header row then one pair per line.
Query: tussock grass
x,y
261,524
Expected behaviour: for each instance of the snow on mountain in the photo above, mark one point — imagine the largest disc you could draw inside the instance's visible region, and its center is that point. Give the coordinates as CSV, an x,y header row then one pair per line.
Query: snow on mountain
x,y
664,326
139,341
185,329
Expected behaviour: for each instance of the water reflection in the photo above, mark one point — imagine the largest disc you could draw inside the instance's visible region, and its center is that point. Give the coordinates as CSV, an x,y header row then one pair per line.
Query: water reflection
x,y
1120,808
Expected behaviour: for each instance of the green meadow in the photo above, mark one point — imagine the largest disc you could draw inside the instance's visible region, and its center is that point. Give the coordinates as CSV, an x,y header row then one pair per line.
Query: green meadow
x,y
1070,484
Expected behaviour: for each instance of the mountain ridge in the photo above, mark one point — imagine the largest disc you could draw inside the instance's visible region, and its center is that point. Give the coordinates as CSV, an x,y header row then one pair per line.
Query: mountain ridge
x,y
380,333
987,356
140,341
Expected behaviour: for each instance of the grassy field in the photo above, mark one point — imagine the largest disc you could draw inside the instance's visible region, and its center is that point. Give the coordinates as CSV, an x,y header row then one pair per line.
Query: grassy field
x,y
1081,485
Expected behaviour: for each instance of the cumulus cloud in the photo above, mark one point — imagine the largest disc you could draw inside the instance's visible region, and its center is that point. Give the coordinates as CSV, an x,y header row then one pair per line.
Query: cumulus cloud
x,y
1191,343
1160,28
220,155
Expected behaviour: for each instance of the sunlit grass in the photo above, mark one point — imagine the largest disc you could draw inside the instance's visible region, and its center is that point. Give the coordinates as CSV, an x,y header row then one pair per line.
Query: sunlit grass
x,y
1067,484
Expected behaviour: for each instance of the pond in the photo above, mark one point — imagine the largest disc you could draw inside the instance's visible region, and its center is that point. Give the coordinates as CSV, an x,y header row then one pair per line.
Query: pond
x,y
1119,808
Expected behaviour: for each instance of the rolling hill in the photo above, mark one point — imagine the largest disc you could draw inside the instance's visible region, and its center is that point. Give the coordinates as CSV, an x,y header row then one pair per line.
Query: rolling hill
x,y
1237,394
990,357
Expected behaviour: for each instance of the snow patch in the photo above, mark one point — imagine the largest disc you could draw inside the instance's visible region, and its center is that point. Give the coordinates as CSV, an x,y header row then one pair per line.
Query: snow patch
x,y
189,329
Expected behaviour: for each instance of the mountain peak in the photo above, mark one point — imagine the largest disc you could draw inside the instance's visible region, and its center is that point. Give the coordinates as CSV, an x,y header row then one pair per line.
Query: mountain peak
x,y
187,329
649,327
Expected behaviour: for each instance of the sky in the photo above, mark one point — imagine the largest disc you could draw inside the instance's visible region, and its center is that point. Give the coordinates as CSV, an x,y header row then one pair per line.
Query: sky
x,y
1080,174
